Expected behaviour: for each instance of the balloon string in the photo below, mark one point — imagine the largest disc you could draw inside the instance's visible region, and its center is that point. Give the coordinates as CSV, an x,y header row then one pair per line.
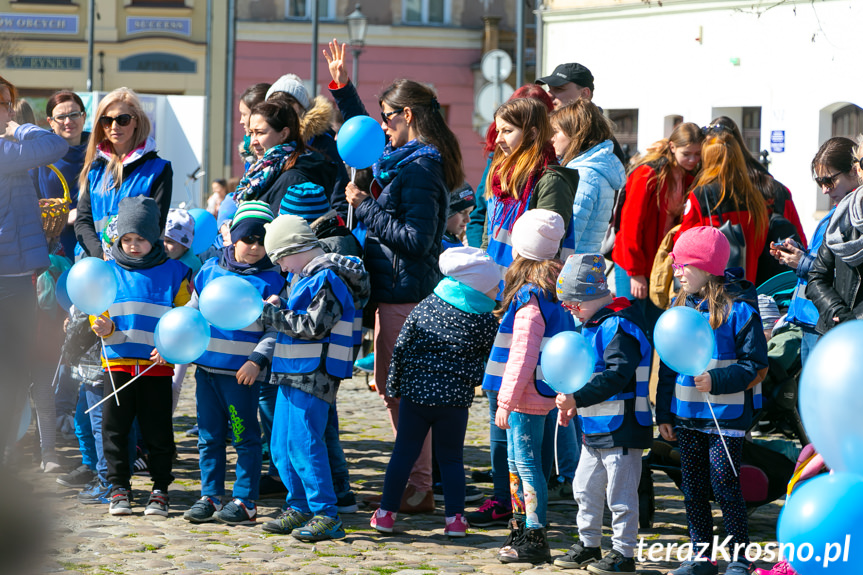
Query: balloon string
x,y
351,207
56,382
556,463
121,388
721,438
110,375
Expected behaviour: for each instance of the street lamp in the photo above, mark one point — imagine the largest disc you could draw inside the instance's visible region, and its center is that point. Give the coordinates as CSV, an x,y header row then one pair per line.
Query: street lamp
x,y
357,26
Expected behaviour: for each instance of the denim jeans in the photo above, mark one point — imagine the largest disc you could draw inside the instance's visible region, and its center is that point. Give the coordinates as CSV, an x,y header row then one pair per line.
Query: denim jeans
x,y
621,283
84,431
300,452
807,343
266,409
336,455
568,447
528,486
17,341
498,443
221,399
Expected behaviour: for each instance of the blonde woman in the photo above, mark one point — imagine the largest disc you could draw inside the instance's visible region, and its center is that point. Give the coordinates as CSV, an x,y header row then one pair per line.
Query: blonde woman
x,y
121,161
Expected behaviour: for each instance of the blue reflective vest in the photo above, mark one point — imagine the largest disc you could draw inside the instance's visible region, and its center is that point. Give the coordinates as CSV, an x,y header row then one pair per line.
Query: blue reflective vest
x,y
300,356
556,319
143,296
689,403
608,416
801,310
500,241
231,349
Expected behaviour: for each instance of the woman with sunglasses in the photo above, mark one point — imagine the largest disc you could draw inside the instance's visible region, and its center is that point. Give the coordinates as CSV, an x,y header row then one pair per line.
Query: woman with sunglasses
x,y
66,116
723,193
120,161
405,216
23,251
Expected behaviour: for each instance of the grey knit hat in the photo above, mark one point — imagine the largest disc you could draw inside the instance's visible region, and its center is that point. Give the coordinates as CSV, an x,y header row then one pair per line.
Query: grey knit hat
x,y
292,85
288,235
139,215
582,278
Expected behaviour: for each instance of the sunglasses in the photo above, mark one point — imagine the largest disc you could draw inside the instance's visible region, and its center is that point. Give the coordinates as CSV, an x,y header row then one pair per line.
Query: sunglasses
x,y
252,240
571,306
716,128
72,116
122,120
828,182
678,267
387,115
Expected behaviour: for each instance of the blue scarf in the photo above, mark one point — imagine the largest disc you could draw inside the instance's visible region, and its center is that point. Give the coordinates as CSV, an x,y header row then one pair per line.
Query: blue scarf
x,y
462,296
393,160
261,175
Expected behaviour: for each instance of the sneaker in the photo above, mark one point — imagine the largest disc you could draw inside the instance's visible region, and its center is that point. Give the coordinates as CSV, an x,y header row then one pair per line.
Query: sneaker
x,y
120,504
781,568
80,477
320,528
347,503
481,476
414,501
270,486
471,493
739,568
51,467
703,567
366,363
237,513
383,521
492,512
531,547
203,510
157,504
560,490
140,467
613,562
579,556
95,492
456,526
289,520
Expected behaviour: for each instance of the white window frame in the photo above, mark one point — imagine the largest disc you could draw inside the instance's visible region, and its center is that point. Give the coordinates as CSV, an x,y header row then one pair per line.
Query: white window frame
x,y
447,14
331,8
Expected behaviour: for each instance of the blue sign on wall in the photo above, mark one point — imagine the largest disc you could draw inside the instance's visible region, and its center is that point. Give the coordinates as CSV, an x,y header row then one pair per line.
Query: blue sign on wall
x,y
38,23
43,62
158,62
777,141
138,25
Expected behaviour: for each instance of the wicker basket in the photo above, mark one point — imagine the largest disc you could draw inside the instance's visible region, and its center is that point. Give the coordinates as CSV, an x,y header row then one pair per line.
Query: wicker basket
x,y
55,211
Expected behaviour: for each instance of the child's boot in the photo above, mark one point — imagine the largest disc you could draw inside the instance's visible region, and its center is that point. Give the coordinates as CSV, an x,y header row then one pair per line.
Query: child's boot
x,y
532,547
516,530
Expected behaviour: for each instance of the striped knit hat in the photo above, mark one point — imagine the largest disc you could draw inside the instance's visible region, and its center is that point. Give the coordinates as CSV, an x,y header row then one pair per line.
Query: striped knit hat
x,y
306,200
250,219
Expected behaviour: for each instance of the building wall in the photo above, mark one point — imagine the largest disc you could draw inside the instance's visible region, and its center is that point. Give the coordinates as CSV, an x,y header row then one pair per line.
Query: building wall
x,y
797,61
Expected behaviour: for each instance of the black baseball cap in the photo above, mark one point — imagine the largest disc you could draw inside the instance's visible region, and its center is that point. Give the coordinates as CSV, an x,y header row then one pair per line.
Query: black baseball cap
x,y
572,72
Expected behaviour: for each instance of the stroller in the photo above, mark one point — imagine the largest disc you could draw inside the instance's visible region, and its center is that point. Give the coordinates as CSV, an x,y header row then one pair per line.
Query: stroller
x,y
764,473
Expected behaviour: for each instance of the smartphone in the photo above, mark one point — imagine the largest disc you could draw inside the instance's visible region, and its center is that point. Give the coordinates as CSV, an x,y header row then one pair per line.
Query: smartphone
x,y
780,245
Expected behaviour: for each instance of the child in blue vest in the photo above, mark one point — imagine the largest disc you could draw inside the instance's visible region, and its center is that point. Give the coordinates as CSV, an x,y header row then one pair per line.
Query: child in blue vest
x,y
229,376
148,285
529,313
731,385
314,353
438,360
462,201
614,409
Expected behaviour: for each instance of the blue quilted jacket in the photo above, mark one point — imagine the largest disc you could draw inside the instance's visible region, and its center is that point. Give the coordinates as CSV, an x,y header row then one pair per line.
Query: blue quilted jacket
x,y
22,242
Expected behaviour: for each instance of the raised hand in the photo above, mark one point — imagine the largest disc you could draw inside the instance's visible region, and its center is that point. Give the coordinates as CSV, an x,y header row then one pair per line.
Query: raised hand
x,y
336,62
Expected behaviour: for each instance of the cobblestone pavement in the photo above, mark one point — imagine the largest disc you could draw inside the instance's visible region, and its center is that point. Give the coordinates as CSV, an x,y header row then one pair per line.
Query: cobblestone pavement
x,y
84,539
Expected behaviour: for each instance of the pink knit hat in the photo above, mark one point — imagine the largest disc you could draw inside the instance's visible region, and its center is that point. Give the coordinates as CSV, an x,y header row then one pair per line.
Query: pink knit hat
x,y
537,234
705,248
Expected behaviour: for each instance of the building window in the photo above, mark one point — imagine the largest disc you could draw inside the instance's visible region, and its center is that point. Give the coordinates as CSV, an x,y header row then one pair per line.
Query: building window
x,y
751,130
848,122
670,123
160,3
625,125
302,9
426,11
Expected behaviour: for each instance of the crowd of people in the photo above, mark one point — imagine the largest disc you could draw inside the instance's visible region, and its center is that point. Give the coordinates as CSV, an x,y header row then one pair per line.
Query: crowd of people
x,y
458,288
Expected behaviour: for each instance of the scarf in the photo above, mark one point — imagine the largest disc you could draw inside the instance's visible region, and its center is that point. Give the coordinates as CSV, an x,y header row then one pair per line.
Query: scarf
x,y
157,256
261,175
848,214
393,160
228,260
508,209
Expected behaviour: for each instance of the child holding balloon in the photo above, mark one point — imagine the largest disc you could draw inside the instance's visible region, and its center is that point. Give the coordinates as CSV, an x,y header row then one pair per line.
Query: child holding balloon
x,y
229,375
529,313
708,414
614,409
148,285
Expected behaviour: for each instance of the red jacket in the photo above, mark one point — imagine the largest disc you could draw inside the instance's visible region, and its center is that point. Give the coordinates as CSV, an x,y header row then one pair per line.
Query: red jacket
x,y
696,214
643,223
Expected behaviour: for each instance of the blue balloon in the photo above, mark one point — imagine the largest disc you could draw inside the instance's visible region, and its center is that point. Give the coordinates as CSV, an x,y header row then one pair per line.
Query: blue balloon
x,y
831,402
567,362
206,230
92,285
230,303
62,293
823,520
360,142
182,335
684,340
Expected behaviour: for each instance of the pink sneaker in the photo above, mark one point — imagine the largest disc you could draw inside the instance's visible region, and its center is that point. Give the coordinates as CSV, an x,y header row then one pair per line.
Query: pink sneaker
x,y
781,568
456,526
383,521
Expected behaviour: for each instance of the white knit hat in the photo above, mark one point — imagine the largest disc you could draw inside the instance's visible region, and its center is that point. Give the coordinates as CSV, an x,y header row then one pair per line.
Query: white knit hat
x,y
472,267
292,85
537,234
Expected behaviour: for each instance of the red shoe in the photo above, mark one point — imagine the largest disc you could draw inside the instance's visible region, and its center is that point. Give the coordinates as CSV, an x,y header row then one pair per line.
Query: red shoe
x,y
456,526
781,568
383,521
